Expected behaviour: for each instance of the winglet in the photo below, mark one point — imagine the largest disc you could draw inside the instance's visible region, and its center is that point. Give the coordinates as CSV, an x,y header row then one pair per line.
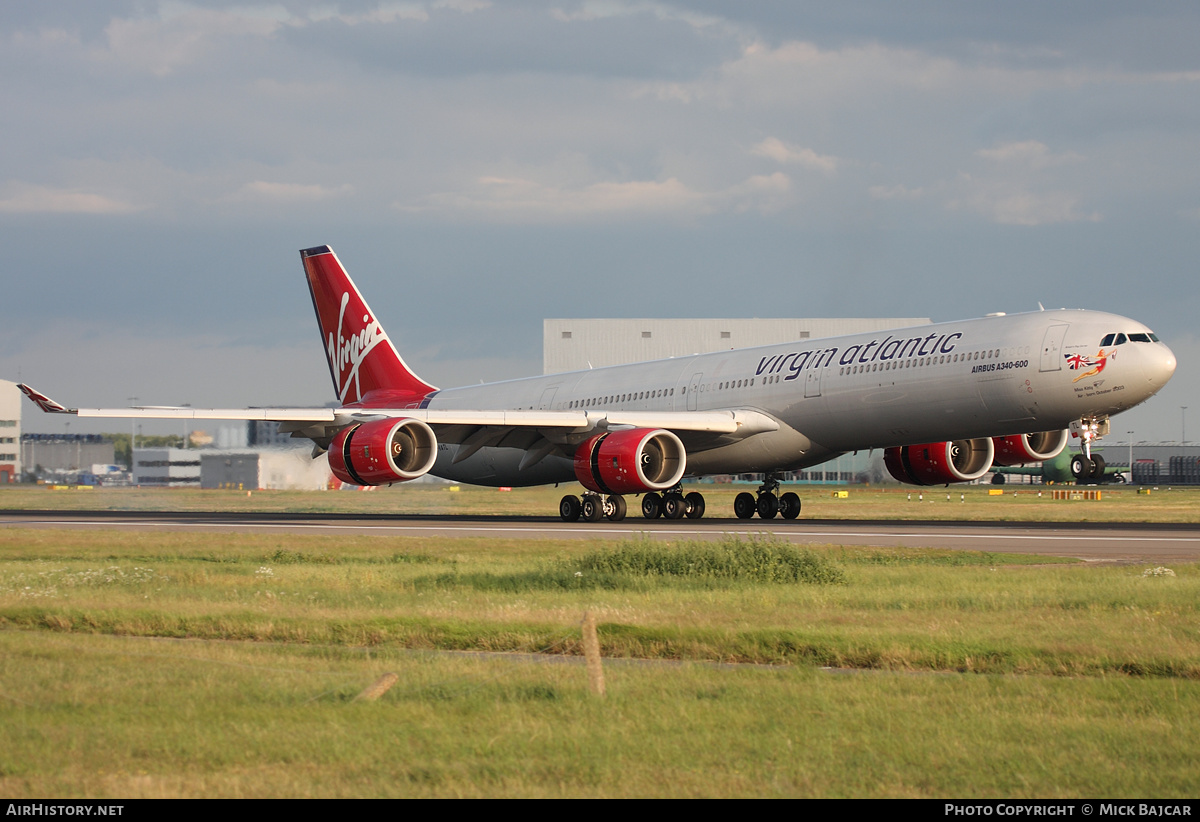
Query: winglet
x,y
43,402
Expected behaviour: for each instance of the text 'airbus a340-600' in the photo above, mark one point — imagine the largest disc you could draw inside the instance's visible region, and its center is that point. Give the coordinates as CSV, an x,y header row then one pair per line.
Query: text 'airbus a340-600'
x,y
944,402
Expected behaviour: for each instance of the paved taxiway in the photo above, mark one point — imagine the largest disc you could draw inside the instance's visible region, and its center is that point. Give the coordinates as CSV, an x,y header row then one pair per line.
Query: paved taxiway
x,y
1110,542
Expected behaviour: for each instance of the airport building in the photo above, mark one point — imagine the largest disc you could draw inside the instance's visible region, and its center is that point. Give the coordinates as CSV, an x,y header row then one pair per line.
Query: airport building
x,y
166,467
576,345
1158,464
10,432
48,455
282,469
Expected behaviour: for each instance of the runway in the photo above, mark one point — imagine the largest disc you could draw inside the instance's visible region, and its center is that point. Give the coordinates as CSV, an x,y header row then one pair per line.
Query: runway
x,y
1097,542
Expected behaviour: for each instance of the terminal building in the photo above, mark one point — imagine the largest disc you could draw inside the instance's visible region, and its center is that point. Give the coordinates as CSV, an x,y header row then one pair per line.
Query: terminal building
x,y
276,468
62,454
10,432
577,345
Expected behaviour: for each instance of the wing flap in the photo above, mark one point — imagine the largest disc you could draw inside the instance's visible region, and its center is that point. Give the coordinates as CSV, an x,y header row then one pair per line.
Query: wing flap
x,y
453,424
273,414
741,422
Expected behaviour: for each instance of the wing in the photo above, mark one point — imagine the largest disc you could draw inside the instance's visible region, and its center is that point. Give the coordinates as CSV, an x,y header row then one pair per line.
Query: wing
x,y
540,432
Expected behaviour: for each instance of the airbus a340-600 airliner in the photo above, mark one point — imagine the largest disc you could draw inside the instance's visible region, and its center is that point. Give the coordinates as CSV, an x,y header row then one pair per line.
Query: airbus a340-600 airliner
x,y
945,402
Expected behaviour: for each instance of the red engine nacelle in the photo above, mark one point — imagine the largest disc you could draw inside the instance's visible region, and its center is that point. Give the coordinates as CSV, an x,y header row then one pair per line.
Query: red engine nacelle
x,y
1022,448
938,463
630,462
382,452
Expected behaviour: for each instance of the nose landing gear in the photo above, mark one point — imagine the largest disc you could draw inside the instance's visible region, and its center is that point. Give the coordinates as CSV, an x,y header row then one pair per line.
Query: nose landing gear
x,y
1086,468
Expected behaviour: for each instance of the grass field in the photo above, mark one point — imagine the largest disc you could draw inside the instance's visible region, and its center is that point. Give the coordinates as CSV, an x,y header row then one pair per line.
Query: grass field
x,y
1018,502
167,664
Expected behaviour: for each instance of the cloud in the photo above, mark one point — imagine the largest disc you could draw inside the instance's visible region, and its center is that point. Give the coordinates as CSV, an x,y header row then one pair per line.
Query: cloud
x,y
524,200
32,199
896,192
182,34
464,6
1030,153
520,199
791,154
263,191
1014,204
393,12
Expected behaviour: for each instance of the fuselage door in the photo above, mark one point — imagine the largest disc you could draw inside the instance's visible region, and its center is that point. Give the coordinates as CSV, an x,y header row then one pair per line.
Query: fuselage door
x,y
546,403
694,390
1052,347
812,381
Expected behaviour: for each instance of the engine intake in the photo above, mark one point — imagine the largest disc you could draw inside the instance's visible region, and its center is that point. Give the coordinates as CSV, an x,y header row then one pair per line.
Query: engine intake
x,y
630,462
938,463
382,452
1022,448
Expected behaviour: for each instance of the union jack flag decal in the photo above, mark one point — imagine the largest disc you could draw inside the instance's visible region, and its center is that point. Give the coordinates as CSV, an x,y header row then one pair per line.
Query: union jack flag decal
x,y
1077,361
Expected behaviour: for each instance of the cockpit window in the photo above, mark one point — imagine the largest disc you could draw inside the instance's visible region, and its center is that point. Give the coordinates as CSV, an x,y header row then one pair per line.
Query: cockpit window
x,y
1141,337
1108,340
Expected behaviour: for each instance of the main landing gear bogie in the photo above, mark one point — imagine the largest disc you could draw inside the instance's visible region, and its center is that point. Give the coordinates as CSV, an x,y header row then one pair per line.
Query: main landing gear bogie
x,y
767,505
592,508
673,505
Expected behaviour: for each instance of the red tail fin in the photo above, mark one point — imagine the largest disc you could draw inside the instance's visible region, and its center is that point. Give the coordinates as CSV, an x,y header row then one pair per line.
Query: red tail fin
x,y
363,362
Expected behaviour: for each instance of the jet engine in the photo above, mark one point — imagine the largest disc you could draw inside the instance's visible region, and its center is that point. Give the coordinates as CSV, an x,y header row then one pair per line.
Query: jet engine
x,y
1022,448
630,462
938,463
382,452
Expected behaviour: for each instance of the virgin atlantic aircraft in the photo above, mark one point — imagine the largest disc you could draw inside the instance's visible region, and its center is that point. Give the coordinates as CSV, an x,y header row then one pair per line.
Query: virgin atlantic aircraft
x,y
945,402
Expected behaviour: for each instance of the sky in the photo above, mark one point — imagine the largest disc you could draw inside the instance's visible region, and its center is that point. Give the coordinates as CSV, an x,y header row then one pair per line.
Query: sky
x,y
481,166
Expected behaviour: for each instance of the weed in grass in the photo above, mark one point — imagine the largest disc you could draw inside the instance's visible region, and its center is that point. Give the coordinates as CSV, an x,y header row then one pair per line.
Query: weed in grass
x,y
286,557
642,565
759,558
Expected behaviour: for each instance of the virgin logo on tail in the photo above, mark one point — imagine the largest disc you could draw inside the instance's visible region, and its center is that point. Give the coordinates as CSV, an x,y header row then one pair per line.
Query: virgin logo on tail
x,y
349,353
363,364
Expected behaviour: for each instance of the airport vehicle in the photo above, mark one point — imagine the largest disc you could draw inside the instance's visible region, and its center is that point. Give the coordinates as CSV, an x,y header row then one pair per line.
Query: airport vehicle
x,y
946,401
1062,468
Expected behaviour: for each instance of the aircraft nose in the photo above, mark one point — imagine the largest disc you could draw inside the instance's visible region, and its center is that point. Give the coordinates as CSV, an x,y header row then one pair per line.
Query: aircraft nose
x,y
1160,366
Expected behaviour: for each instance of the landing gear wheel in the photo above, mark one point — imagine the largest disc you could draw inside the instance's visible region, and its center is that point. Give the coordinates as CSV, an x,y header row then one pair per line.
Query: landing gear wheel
x,y
768,506
615,508
789,505
695,505
1098,466
673,506
1081,468
651,506
569,508
744,505
592,508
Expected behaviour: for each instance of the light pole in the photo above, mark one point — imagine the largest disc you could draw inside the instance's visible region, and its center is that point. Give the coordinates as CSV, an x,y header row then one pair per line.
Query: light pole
x,y
1130,433
1183,425
184,444
132,423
